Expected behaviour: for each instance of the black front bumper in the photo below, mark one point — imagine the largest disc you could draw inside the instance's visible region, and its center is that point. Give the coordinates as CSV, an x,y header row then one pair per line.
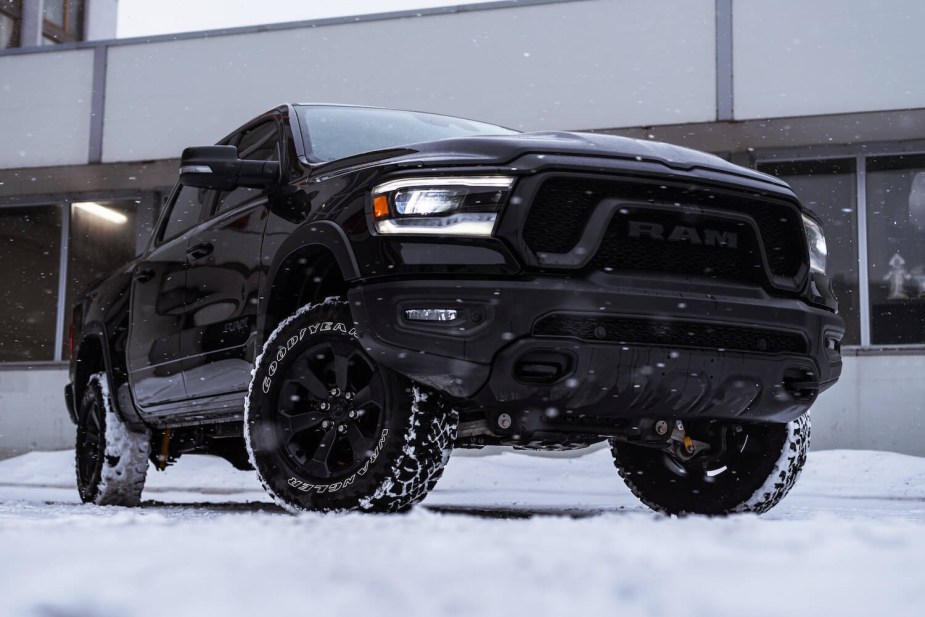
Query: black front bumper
x,y
610,346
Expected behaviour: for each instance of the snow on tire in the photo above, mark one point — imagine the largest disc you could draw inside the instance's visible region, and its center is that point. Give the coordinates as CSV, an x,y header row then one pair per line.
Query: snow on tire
x,y
327,428
111,460
759,465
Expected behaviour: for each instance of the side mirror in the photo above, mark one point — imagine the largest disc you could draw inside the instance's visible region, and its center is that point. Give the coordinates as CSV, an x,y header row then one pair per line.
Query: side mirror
x,y
218,167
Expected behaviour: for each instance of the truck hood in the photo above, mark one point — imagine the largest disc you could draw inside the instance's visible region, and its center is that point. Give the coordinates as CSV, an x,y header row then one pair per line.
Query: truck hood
x,y
505,149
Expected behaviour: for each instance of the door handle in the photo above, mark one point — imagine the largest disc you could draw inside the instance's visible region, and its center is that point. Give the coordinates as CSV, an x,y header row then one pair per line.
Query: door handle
x,y
144,275
203,249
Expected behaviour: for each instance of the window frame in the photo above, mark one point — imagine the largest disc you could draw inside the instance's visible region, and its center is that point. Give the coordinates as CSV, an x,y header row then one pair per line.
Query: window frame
x,y
860,152
145,199
74,26
13,10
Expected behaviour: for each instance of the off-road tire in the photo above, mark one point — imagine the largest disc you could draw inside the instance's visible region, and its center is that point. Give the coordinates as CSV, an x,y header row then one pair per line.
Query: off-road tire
x,y
756,475
111,460
396,435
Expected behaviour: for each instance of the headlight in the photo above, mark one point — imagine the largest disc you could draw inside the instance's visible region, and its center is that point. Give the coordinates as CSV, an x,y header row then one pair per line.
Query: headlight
x,y
455,206
818,253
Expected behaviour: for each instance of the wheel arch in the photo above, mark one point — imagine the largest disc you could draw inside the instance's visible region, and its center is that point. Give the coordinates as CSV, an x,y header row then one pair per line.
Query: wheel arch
x,y
315,262
94,355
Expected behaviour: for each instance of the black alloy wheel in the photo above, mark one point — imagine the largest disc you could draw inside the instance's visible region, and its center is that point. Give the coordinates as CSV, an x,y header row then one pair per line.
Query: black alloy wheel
x,y
91,444
328,428
331,408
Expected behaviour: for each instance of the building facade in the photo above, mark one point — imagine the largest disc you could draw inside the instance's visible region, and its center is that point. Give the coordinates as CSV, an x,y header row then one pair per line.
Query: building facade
x,y
824,94
29,23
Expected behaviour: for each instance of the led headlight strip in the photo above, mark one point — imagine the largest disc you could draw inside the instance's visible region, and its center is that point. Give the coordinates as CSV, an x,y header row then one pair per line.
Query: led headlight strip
x,y
463,206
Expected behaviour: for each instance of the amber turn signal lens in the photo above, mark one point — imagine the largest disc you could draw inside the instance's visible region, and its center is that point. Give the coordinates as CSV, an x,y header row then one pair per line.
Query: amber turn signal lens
x,y
380,206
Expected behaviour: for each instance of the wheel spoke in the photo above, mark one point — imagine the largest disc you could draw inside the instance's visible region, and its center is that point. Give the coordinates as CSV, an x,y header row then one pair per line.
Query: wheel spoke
x,y
341,369
318,466
359,443
300,422
363,397
302,373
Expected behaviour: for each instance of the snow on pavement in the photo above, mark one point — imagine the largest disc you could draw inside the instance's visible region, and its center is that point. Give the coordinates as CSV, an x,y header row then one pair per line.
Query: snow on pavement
x,y
849,540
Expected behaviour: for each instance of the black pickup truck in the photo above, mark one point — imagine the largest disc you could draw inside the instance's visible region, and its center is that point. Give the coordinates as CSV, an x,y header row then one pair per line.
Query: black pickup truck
x,y
337,296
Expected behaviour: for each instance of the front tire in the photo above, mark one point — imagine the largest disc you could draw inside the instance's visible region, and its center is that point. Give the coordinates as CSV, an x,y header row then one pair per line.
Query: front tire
x,y
753,466
111,460
327,428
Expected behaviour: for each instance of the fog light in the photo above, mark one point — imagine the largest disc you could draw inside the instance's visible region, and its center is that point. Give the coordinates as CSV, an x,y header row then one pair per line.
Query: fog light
x,y
431,314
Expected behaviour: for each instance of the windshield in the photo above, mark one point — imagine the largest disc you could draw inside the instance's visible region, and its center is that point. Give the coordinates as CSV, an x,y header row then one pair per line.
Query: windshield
x,y
332,133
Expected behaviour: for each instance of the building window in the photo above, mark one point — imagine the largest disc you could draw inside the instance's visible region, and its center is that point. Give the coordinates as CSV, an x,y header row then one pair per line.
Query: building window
x,y
63,21
30,251
10,16
828,188
102,238
896,249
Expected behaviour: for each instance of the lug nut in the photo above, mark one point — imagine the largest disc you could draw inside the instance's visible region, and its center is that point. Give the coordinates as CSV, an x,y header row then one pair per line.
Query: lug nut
x,y
325,425
324,406
661,427
341,428
349,396
351,414
335,391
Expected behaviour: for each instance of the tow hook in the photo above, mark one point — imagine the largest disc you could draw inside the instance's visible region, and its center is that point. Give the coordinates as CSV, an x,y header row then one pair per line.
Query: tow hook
x,y
684,444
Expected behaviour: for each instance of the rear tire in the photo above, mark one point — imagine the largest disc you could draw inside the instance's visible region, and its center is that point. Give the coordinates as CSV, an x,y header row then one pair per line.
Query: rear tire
x,y
757,468
112,461
329,429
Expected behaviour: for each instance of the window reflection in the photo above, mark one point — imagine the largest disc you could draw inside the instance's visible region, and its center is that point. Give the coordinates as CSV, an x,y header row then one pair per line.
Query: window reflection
x,y
896,249
102,238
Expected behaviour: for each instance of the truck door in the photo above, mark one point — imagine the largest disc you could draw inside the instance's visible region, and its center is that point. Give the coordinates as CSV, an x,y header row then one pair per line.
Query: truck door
x,y
219,334
159,301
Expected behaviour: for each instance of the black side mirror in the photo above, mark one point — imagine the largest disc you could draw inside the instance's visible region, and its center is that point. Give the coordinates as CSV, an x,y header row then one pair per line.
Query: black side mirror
x,y
218,167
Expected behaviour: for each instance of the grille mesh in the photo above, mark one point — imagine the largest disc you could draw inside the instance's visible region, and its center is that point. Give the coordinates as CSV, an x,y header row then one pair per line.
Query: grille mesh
x,y
563,205
679,334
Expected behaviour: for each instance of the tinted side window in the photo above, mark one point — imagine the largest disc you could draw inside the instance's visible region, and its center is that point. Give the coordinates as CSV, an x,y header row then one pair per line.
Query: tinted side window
x,y
257,144
185,211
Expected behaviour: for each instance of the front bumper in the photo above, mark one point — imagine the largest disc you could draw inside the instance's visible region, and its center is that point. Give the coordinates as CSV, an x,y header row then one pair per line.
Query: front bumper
x,y
610,346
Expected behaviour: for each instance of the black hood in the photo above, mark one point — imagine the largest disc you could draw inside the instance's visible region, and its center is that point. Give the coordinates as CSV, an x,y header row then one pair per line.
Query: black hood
x,y
505,149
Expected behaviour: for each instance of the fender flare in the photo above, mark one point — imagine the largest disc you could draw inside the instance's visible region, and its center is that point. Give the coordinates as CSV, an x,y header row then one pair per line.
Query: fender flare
x,y
326,235
125,409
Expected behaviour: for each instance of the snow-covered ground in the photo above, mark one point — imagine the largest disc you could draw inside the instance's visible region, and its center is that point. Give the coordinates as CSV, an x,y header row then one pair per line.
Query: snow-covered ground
x,y
505,535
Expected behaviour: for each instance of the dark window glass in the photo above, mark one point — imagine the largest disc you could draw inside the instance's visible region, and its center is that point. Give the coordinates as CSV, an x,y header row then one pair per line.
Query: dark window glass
x,y
257,144
896,249
829,189
103,237
186,211
30,252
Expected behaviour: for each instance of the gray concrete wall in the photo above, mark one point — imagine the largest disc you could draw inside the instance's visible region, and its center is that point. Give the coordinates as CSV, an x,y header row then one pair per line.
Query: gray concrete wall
x,y
33,415
799,58
45,108
571,65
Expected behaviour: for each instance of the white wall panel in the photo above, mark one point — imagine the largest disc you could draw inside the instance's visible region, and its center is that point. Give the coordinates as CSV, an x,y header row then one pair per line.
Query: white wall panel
x,y
605,63
876,405
45,108
800,57
33,415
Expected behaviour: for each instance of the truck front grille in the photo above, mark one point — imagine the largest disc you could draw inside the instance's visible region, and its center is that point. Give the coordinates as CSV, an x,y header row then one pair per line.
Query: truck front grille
x,y
563,205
